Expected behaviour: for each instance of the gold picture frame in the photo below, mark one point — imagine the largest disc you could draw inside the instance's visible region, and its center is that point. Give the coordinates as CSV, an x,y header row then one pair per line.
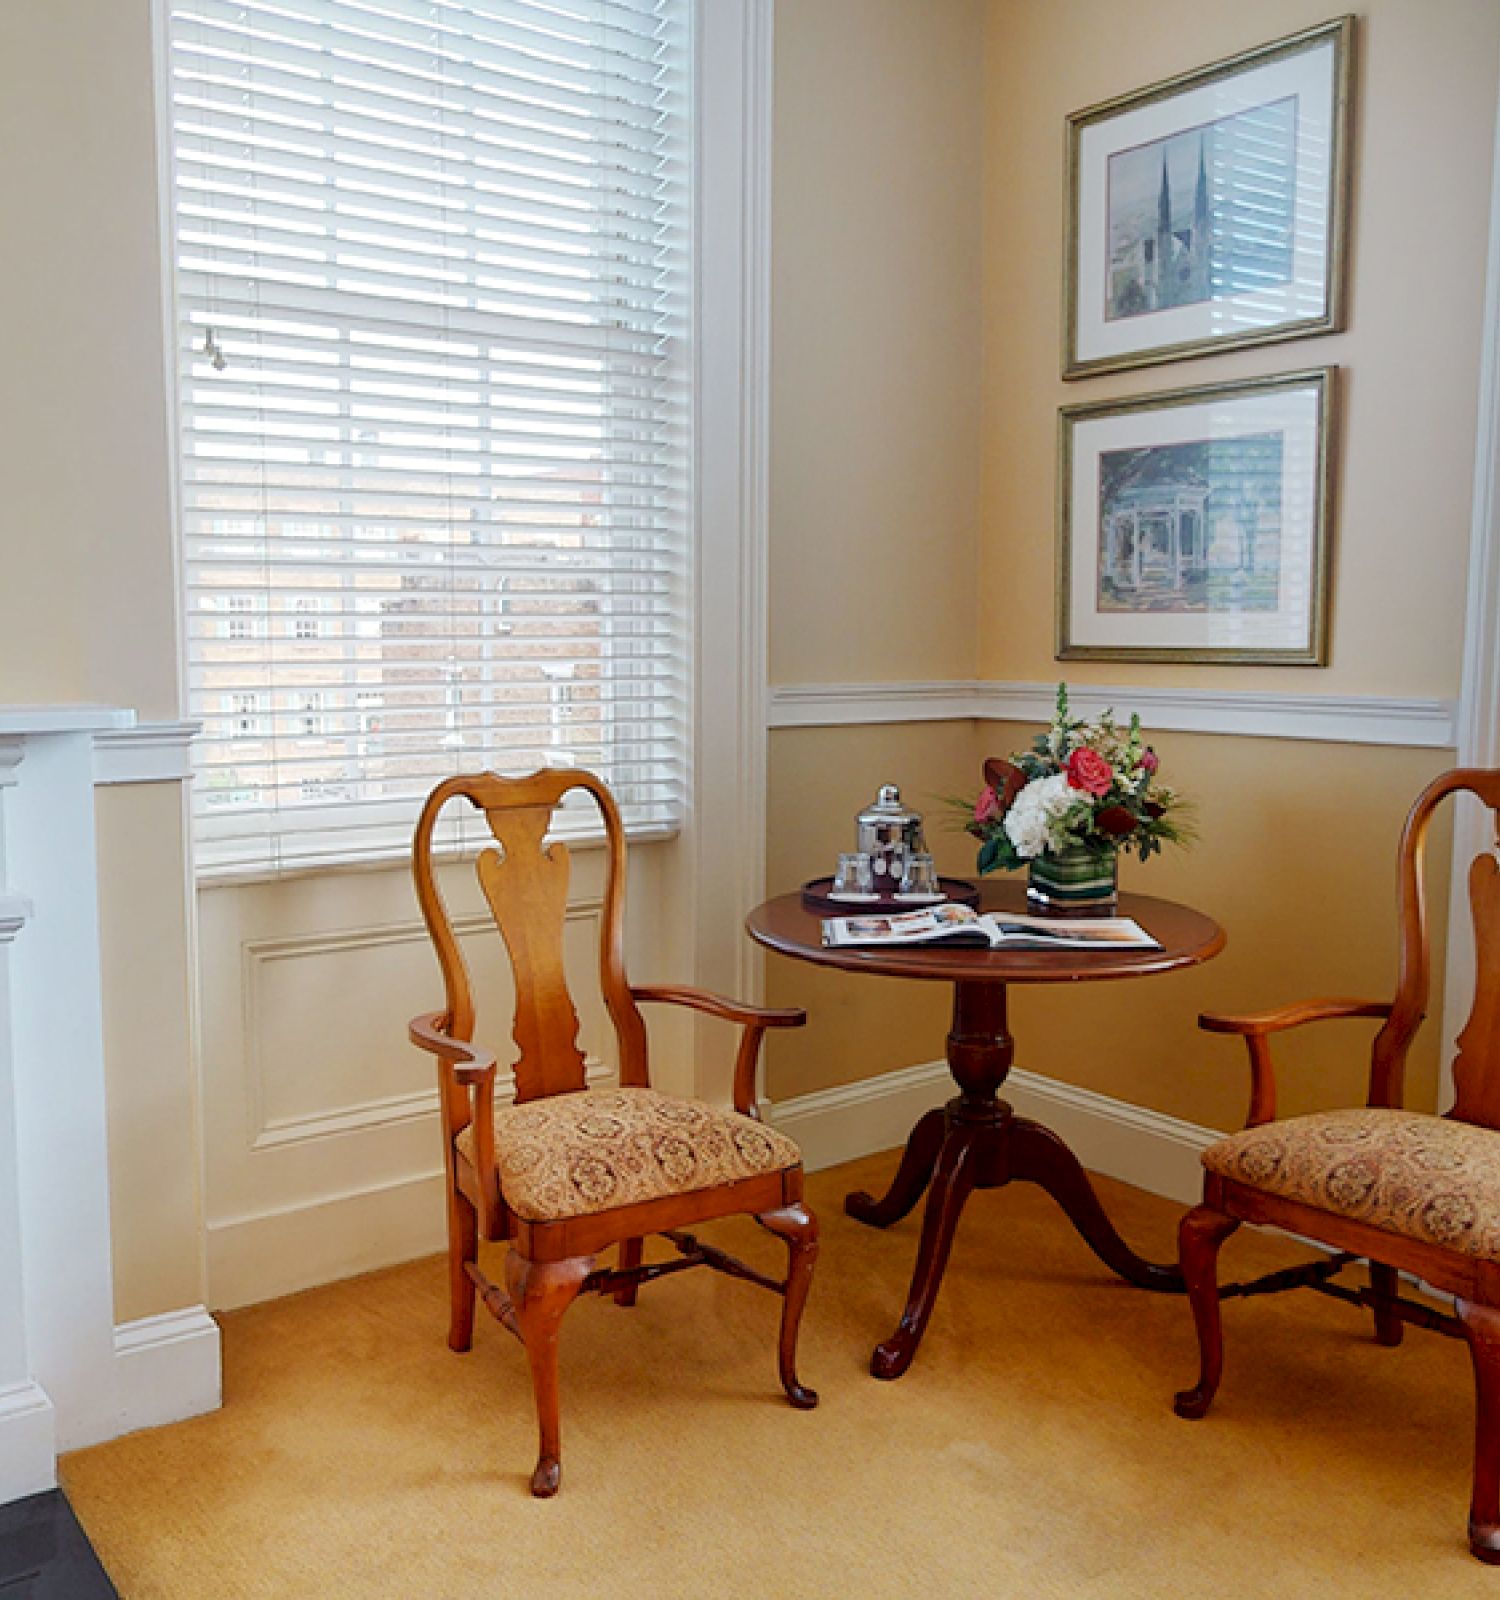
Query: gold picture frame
x,y
1152,276
1208,529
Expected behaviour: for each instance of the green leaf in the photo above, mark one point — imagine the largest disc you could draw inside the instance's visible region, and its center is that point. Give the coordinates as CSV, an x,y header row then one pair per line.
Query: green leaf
x,y
990,856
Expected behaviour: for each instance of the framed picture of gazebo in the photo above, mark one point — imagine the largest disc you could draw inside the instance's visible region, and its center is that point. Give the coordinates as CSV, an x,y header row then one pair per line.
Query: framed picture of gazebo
x,y
1193,525
1209,212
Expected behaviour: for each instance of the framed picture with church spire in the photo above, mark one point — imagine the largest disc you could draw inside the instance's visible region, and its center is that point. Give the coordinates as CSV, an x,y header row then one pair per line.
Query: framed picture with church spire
x,y
1209,212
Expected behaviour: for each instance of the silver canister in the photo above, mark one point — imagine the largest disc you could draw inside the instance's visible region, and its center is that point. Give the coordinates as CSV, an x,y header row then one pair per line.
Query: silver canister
x,y
888,832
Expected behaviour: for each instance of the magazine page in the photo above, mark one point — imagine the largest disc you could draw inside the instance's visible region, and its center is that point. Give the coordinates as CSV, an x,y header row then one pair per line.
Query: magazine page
x,y
1012,930
939,924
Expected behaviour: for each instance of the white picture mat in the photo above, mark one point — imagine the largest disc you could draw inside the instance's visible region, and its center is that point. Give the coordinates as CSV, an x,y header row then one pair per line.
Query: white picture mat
x,y
1293,412
1310,76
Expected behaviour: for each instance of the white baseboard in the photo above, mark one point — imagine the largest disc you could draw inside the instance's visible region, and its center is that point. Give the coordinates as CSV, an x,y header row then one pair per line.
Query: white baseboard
x,y
167,1368
273,1253
28,1442
1153,1151
260,1257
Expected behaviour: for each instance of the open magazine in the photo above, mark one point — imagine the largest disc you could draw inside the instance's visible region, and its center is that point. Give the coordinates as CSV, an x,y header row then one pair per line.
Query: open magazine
x,y
955,924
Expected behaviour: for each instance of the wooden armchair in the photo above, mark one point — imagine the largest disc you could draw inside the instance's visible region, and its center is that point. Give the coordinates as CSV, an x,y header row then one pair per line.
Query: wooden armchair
x,y
568,1171
1407,1191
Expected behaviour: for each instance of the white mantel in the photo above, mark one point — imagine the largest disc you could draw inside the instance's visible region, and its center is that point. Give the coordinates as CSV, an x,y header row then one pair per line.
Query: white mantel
x,y
65,1369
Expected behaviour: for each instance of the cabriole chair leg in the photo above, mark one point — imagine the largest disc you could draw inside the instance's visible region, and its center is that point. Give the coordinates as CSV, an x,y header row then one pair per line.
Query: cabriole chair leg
x,y
541,1291
797,1225
1199,1238
1481,1325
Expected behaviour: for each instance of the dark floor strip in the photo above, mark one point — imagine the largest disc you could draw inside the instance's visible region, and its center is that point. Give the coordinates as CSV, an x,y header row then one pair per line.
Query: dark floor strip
x,y
45,1554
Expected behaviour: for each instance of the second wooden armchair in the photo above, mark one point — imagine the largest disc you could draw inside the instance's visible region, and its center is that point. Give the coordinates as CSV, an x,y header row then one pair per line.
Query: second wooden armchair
x,y
567,1171
1407,1191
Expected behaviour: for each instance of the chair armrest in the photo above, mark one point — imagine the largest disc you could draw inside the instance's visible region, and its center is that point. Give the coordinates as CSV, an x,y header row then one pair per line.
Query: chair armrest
x,y
717,1006
470,1064
1292,1016
1256,1031
753,1019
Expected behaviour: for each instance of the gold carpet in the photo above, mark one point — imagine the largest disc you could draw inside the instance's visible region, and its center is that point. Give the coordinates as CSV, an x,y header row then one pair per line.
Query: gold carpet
x,y
1030,1452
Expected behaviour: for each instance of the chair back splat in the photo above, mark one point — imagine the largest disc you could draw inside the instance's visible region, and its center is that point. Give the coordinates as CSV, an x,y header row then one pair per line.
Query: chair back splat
x,y
1476,1068
524,879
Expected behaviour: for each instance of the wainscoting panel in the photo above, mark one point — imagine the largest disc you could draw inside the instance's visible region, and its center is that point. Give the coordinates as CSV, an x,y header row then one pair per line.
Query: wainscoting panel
x,y
322,1142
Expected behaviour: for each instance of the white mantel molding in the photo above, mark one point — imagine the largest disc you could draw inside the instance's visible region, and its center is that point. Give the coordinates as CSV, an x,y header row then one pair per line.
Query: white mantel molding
x,y
14,911
1339,719
21,721
148,752
125,750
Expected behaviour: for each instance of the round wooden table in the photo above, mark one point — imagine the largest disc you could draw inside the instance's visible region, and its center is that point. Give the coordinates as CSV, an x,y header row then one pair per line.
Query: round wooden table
x,y
976,1141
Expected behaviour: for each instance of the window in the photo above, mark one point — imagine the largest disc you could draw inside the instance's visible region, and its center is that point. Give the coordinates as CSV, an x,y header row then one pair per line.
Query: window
x,y
241,623
433,271
305,624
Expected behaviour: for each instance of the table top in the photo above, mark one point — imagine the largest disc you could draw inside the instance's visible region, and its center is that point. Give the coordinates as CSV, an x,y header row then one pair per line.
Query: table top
x,y
1187,937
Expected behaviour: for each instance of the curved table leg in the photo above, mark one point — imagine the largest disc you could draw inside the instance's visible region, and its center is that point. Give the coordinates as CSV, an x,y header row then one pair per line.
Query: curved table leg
x,y
912,1176
1037,1155
952,1183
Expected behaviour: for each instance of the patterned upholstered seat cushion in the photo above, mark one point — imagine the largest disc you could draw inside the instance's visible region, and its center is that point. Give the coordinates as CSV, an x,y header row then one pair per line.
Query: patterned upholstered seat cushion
x,y
571,1155
1421,1176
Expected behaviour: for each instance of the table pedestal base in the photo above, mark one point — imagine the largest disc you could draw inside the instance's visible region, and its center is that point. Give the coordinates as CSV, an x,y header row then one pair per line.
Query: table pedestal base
x,y
977,1142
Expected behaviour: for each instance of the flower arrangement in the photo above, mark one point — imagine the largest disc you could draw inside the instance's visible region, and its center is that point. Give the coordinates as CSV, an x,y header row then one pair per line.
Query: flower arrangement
x,y
1084,786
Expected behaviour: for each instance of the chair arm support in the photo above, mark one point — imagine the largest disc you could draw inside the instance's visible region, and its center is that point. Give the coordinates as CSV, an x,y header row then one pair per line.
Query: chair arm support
x,y
470,1064
1292,1016
753,1019
715,1005
1256,1031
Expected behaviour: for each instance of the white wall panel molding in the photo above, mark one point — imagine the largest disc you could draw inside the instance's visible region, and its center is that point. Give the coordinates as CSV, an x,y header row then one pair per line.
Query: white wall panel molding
x,y
168,1368
1155,1152
150,752
273,1133
370,1114
1339,719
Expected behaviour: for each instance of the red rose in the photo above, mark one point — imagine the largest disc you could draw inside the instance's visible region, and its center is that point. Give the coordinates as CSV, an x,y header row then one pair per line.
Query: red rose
x,y
1150,761
1115,820
987,807
1089,771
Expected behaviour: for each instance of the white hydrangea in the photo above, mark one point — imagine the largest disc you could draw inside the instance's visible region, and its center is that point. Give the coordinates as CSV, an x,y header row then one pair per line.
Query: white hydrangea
x,y
1041,804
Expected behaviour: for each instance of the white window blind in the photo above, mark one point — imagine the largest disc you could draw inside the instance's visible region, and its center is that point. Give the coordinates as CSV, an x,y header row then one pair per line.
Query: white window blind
x,y
432,271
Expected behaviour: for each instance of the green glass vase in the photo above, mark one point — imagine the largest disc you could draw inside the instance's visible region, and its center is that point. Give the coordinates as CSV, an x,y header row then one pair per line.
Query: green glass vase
x,y
1080,879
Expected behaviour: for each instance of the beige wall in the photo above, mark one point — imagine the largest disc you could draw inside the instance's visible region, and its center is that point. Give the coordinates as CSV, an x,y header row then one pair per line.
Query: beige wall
x,y
1297,839
875,374
875,432
916,289
88,601
87,608
1425,79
